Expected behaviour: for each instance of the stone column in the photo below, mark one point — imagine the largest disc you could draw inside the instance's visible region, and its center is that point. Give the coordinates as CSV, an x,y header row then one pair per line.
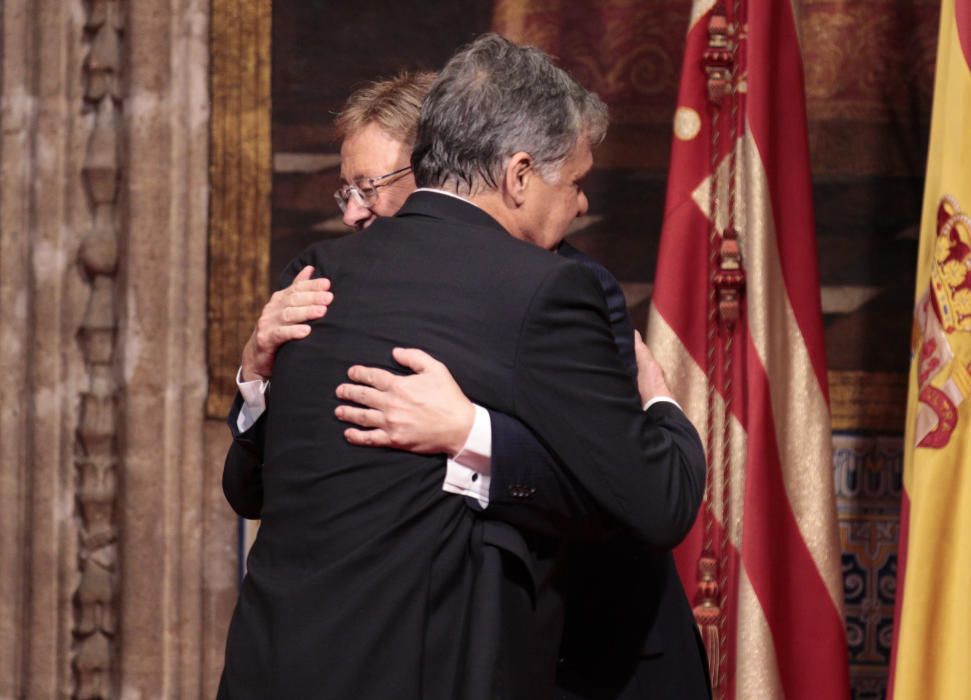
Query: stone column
x,y
43,294
117,553
178,539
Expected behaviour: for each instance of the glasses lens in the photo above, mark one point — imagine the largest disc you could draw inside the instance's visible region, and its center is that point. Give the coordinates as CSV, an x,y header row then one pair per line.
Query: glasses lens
x,y
364,196
348,192
341,198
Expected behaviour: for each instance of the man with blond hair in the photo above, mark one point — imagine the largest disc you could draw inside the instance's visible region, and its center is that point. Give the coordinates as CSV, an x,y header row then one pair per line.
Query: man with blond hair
x,y
377,130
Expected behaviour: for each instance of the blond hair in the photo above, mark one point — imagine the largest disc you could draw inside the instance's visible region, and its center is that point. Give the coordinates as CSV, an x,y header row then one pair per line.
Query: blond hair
x,y
393,104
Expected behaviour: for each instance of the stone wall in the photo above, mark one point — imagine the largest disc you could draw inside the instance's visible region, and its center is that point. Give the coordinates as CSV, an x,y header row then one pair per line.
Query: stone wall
x,y
117,553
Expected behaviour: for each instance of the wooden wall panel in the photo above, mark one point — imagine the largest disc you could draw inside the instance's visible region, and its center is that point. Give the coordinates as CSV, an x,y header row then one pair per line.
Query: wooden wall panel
x,y
239,228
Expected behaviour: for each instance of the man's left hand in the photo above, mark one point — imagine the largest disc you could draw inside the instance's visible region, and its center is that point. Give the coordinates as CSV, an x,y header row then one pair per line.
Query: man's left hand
x,y
650,377
424,412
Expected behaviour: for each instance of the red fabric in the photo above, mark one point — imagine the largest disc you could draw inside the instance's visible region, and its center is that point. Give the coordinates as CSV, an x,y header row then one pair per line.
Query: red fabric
x,y
807,629
776,111
962,19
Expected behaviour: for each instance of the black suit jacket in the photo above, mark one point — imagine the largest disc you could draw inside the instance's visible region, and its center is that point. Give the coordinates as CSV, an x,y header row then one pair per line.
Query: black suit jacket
x,y
361,576
630,633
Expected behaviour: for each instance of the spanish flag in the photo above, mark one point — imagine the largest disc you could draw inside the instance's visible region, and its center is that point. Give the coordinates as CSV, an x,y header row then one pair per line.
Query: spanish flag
x,y
932,635
736,324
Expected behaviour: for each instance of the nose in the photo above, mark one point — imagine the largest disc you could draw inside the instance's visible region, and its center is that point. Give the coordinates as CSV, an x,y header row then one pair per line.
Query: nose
x,y
582,204
356,216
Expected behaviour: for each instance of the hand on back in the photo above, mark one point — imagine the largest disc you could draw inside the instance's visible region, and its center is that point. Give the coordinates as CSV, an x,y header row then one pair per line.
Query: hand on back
x,y
650,378
284,318
423,412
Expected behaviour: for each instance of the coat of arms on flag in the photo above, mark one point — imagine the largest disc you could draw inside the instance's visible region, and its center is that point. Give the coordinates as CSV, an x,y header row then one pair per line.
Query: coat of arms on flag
x,y
944,374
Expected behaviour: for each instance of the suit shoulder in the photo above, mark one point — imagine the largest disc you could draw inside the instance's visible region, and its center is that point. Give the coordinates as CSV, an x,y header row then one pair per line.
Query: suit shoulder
x,y
565,284
529,258
603,275
319,254
320,250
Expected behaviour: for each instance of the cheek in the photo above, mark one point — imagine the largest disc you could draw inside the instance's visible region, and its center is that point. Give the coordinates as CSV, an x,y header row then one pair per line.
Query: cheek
x,y
390,202
386,207
568,207
382,208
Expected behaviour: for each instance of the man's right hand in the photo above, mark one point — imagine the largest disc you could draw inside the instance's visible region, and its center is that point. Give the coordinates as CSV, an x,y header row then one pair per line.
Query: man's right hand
x,y
425,412
284,318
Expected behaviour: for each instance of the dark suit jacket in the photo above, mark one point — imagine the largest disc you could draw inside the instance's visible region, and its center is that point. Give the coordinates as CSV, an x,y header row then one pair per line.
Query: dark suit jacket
x,y
630,633
360,580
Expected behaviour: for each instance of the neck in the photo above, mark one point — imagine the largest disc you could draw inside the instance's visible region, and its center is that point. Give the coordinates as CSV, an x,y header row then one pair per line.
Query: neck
x,y
493,204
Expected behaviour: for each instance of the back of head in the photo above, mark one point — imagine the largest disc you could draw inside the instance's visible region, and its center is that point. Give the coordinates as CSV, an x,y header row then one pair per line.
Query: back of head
x,y
494,99
393,104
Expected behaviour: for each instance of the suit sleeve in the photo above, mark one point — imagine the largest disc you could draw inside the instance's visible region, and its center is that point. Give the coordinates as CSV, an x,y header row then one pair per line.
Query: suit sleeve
x,y
645,469
243,468
620,324
530,491
243,482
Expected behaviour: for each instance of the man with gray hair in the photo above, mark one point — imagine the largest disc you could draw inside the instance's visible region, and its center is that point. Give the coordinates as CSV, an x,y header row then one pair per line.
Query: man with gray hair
x,y
361,577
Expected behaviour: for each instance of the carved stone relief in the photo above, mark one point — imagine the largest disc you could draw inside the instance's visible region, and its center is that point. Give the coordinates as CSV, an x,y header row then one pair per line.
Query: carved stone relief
x,y
97,462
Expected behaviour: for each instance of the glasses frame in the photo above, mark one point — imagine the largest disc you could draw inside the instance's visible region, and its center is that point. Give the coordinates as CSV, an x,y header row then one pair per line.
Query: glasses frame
x,y
365,190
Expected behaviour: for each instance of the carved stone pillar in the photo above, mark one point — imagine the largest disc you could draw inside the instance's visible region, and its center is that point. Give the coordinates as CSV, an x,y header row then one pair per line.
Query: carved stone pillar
x,y
96,461
43,294
117,553
177,537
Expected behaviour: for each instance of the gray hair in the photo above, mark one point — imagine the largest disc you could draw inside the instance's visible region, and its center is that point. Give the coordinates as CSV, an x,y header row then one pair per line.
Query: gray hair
x,y
494,99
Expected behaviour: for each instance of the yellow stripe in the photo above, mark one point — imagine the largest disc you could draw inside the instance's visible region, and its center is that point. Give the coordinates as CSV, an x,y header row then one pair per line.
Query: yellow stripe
x,y
756,667
698,10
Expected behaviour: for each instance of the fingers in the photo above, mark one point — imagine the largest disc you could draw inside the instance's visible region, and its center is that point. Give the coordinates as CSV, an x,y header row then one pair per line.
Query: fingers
x,y
299,314
291,306
293,296
319,285
302,292
372,376
303,282
281,334
304,274
417,360
363,395
641,348
363,417
309,298
368,438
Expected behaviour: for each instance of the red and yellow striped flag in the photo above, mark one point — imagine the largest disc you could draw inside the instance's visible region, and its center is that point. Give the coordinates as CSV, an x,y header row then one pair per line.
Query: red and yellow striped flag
x,y
736,323
932,633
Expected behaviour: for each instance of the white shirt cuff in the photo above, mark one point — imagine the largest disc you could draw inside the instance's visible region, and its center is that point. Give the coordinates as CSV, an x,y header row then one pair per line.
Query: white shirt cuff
x,y
254,401
468,473
659,399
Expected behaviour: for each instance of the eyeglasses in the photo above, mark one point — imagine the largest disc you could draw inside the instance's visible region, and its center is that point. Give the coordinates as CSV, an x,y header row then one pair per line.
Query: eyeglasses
x,y
365,190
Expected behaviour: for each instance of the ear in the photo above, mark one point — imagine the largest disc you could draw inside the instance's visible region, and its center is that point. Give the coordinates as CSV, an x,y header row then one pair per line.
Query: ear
x,y
517,176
